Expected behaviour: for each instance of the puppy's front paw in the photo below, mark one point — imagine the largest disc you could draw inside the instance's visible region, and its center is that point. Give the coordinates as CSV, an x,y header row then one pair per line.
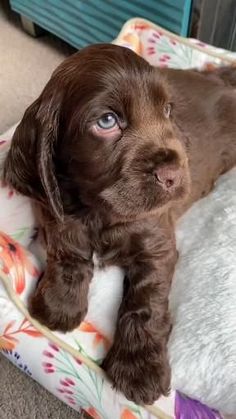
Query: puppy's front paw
x,y
58,312
139,369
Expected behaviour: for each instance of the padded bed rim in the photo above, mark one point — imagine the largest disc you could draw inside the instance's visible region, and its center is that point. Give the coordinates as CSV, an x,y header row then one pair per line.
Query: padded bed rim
x,y
154,410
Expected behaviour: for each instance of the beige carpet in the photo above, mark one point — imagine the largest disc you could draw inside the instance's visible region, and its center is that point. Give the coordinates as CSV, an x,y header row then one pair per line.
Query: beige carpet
x,y
25,66
22,398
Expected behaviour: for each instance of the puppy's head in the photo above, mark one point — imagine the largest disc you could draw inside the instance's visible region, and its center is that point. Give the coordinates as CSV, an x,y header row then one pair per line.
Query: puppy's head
x,y
100,136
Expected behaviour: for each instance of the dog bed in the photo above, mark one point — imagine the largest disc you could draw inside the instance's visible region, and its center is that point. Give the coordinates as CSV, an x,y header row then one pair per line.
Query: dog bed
x,y
201,348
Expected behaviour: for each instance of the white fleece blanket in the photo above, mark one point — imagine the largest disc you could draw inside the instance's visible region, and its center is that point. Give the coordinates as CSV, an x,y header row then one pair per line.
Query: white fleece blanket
x,y
202,346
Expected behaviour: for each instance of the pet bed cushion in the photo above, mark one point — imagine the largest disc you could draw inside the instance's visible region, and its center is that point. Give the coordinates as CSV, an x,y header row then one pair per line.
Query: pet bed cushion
x,y
201,348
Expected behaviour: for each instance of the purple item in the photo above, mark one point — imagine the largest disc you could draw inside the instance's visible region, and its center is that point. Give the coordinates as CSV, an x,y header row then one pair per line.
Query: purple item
x,y
186,408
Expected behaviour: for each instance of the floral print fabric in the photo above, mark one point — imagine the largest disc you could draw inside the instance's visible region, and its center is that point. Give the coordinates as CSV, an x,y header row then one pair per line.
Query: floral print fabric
x,y
164,49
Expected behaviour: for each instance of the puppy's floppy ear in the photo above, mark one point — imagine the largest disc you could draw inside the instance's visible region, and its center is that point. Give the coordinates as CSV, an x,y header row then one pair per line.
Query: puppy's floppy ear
x,y
29,166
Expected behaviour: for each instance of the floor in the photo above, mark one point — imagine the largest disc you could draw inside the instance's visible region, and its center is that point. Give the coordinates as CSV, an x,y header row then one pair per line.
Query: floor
x,y
23,398
26,64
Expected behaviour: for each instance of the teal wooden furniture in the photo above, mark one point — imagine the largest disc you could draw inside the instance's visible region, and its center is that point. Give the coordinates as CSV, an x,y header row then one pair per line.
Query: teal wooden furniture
x,y
82,22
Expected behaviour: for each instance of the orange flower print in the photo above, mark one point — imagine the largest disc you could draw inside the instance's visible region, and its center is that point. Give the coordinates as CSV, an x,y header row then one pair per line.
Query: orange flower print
x,y
99,338
210,67
134,41
92,412
140,25
127,414
6,344
8,340
15,260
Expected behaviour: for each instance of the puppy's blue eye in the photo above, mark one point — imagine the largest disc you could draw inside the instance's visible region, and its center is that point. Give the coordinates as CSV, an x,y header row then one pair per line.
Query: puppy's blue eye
x,y
107,121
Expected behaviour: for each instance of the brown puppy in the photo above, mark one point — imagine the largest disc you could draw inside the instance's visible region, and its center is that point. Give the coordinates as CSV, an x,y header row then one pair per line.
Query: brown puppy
x,y
112,168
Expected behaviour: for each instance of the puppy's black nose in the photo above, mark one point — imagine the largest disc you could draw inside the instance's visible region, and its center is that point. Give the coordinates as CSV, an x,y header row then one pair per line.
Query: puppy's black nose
x,y
168,177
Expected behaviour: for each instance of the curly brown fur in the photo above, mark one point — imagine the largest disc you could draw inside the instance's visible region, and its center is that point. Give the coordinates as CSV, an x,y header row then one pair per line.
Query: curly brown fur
x,y
118,193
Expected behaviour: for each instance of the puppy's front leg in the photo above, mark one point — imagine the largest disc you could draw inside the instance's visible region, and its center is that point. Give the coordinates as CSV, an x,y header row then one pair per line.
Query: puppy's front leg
x,y
61,299
137,363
